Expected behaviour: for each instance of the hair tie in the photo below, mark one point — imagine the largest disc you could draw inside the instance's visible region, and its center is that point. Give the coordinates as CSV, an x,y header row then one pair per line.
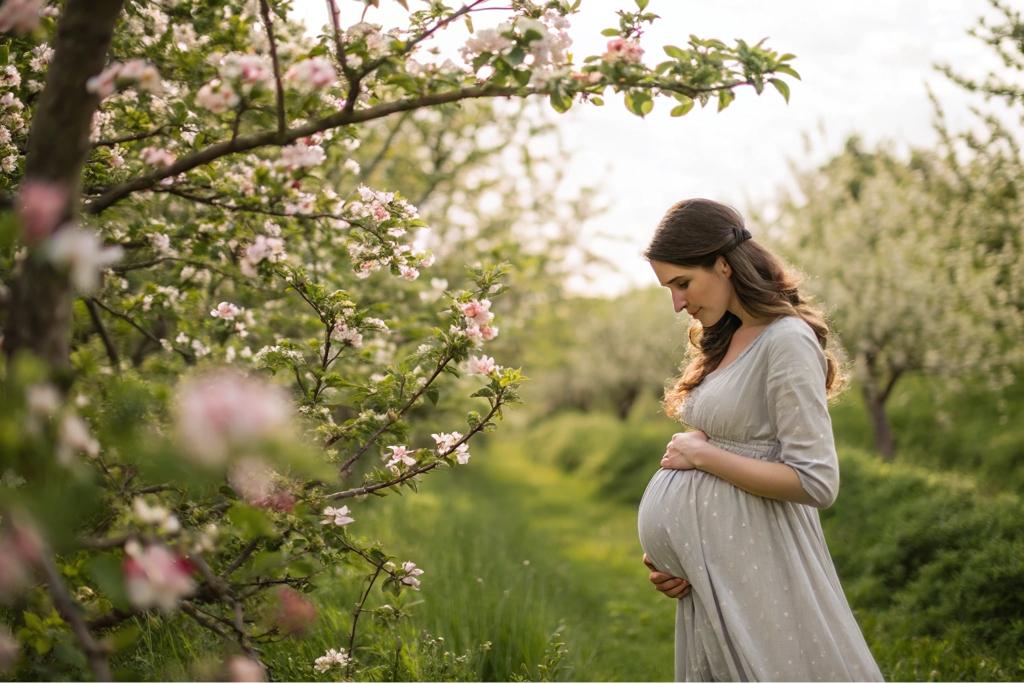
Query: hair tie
x,y
741,236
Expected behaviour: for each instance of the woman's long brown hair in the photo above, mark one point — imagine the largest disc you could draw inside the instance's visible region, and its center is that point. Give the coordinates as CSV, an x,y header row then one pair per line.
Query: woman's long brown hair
x,y
694,233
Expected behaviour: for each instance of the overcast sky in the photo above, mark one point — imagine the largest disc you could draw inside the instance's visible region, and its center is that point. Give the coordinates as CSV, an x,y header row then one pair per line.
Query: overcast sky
x,y
864,69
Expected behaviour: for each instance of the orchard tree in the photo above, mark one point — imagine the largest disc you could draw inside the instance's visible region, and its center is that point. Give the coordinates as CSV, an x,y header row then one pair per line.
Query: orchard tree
x,y
910,287
208,368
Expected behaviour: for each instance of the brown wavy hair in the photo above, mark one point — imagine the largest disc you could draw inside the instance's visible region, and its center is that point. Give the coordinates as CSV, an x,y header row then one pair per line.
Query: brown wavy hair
x,y
694,233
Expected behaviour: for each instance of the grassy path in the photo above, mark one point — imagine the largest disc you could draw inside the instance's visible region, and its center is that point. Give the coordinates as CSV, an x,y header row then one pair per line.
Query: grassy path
x,y
517,553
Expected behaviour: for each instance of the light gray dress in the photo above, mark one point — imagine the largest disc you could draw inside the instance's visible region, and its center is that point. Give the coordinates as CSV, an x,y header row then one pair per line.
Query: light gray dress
x,y
765,603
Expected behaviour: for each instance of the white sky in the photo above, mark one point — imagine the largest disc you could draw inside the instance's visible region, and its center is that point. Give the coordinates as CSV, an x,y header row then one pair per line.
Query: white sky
x,y
864,69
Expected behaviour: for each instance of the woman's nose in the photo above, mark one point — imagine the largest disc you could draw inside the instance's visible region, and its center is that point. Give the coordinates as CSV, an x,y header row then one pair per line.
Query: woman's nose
x,y
677,301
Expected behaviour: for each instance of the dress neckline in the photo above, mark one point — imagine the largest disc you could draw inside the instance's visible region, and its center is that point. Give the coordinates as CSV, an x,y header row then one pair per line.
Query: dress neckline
x,y
745,351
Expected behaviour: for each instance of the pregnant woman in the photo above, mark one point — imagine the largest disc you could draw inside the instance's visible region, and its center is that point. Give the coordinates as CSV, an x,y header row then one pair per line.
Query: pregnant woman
x,y
733,510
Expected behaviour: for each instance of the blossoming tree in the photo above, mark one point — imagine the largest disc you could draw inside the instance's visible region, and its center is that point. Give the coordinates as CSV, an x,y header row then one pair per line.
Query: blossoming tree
x,y
208,372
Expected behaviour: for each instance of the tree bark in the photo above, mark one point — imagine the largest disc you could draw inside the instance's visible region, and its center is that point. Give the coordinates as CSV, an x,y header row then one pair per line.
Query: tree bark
x,y
39,318
874,401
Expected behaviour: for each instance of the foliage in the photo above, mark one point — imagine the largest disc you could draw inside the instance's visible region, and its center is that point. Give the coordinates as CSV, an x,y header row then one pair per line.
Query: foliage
x,y
929,563
213,325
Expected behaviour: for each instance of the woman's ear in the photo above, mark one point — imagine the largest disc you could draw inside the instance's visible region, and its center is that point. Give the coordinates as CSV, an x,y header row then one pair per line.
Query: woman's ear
x,y
723,267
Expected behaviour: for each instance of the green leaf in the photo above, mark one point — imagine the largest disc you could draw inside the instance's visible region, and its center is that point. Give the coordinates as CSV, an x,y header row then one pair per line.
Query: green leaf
x,y
682,109
610,32
642,4
432,395
786,57
782,87
252,522
639,103
725,98
560,101
788,70
598,101
469,23
676,52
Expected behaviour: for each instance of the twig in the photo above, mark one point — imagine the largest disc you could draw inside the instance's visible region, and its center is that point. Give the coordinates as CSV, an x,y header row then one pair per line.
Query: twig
x,y
242,557
68,610
387,425
355,621
130,138
363,490
149,335
107,343
265,11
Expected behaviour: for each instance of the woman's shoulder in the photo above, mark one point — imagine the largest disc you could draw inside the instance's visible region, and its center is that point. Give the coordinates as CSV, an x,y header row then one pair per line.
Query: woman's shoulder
x,y
791,335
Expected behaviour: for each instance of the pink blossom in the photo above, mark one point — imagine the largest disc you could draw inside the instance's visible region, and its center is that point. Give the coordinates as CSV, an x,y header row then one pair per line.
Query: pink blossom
x,y
349,335
411,571
253,479
446,441
408,272
301,155
620,49
41,204
482,365
310,74
225,409
487,333
21,549
155,576
243,669
156,156
337,516
217,96
20,16
295,613
133,72
478,312
462,453
226,311
400,455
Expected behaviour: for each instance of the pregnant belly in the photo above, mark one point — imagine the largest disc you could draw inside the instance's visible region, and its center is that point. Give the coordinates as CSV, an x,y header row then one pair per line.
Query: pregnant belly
x,y
668,521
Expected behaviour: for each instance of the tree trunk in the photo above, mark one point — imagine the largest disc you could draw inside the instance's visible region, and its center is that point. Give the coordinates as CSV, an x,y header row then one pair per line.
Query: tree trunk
x,y
875,403
39,318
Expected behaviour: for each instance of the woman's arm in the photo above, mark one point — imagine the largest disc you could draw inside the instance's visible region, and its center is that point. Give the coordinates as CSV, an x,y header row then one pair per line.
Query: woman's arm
x,y
762,478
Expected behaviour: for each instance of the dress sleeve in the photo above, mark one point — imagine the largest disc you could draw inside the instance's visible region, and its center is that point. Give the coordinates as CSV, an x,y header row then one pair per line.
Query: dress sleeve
x,y
798,409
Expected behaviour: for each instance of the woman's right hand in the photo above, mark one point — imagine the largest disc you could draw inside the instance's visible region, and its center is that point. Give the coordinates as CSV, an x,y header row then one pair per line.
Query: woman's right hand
x,y
671,586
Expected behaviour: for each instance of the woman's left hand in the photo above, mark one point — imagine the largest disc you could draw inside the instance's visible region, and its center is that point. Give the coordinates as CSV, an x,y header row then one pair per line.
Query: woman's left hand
x,y
681,451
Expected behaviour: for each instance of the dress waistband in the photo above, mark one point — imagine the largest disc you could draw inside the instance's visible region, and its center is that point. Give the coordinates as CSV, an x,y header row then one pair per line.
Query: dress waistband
x,y
760,449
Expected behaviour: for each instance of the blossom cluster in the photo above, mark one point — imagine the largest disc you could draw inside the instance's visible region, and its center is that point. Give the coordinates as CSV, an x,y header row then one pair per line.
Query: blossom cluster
x,y
155,576
622,50
477,320
375,210
336,516
330,659
21,16
259,485
546,41
446,445
137,72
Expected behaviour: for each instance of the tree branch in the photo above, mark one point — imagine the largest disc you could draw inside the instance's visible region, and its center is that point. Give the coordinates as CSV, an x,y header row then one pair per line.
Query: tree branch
x,y
265,12
107,344
68,610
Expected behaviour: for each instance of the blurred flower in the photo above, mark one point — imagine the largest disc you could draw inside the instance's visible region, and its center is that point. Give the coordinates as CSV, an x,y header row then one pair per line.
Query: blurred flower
x,y
155,576
74,437
310,74
295,613
20,16
83,253
225,409
225,310
156,515
42,399
482,365
41,205
156,156
243,669
218,97
620,49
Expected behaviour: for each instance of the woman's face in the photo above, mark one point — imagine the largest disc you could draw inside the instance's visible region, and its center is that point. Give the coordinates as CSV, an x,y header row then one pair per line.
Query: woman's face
x,y
705,294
